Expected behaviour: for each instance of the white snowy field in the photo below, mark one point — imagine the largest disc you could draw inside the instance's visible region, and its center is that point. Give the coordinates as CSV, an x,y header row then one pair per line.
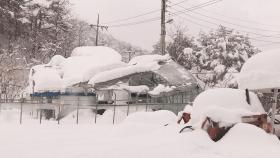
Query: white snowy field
x,y
142,134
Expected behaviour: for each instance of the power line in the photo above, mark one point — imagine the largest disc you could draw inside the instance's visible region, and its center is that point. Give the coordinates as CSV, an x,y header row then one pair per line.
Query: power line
x,y
140,15
261,35
205,26
239,19
255,28
211,2
136,23
213,23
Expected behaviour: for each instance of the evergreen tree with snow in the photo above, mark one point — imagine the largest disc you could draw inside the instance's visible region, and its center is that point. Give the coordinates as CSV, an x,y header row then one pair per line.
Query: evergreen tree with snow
x,y
223,52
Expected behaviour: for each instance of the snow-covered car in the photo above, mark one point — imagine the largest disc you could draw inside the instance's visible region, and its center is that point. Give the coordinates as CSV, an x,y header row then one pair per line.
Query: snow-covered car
x,y
217,110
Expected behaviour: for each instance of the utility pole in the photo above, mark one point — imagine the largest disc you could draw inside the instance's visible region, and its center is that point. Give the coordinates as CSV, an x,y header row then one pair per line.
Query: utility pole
x,y
97,29
163,29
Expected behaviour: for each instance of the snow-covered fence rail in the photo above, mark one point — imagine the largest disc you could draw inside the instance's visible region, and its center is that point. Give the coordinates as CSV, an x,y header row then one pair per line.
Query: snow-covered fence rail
x,y
40,111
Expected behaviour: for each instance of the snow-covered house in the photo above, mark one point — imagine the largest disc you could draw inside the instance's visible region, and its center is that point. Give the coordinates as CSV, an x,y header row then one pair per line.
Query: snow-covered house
x,y
149,78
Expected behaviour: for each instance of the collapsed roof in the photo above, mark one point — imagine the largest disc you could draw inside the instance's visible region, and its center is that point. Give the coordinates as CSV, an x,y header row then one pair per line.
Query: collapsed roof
x,y
167,72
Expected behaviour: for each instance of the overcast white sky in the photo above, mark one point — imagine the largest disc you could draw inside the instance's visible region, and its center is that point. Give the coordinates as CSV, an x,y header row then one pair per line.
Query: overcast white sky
x,y
251,14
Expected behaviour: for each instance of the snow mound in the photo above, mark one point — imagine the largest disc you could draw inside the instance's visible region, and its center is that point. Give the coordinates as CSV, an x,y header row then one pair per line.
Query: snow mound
x,y
85,116
161,117
108,115
262,71
56,60
248,135
224,105
44,78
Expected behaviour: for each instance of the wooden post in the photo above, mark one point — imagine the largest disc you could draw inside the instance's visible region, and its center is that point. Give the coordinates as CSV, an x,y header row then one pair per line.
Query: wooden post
x,y
275,94
97,31
163,31
114,107
95,117
129,100
58,120
21,104
77,115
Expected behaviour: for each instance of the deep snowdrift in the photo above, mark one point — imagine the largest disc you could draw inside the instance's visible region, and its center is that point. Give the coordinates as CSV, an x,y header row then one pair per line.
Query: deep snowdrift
x,y
224,105
140,135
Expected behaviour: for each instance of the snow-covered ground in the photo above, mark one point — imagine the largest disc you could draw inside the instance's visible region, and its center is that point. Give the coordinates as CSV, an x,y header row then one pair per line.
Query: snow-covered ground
x,y
141,134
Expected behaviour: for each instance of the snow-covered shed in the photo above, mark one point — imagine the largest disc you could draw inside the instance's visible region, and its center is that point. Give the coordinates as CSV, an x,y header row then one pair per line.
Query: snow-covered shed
x,y
65,77
162,80
261,74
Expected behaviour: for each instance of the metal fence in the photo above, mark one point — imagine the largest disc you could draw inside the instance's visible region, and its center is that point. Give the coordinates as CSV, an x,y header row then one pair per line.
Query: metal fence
x,y
56,111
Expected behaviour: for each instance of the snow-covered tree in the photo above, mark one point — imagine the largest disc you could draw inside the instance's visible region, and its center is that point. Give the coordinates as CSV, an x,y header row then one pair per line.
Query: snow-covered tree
x,y
223,52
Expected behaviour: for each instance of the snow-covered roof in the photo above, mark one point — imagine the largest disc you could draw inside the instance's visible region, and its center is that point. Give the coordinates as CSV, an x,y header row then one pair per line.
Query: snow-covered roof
x,y
83,64
138,64
45,79
224,105
162,65
132,89
261,71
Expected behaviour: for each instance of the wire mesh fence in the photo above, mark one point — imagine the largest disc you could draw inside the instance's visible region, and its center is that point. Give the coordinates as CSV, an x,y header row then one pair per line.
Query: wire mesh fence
x,y
77,110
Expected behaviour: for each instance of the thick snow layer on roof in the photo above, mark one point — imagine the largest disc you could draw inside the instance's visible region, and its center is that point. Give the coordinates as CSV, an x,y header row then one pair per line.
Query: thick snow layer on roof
x,y
100,52
261,71
148,59
56,60
138,64
224,105
84,63
81,68
161,89
132,89
45,79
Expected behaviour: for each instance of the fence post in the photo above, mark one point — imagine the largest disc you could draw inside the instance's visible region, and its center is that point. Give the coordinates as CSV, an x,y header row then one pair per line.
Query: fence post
x,y
146,102
95,117
0,102
41,101
128,103
21,106
58,119
114,108
40,115
77,118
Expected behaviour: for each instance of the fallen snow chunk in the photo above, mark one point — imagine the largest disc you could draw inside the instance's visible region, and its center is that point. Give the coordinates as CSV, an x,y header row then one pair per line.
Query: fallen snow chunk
x,y
161,89
188,51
